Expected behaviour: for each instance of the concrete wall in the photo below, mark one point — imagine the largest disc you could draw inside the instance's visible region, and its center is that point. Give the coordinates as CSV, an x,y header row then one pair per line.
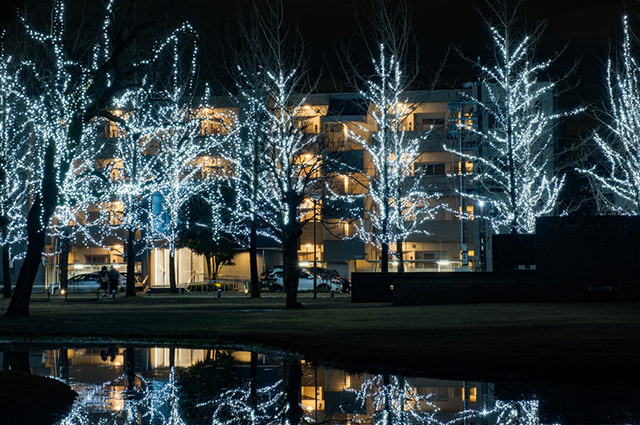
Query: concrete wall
x,y
513,252
601,249
486,289
371,287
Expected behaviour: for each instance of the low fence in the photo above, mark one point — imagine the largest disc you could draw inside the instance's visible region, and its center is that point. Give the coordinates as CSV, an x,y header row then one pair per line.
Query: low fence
x,y
225,284
483,287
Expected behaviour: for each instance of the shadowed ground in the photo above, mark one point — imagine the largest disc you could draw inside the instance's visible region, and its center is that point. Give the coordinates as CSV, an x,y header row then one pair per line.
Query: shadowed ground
x,y
537,342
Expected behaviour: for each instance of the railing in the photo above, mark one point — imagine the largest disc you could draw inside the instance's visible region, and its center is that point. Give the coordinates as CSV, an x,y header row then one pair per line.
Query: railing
x,y
224,284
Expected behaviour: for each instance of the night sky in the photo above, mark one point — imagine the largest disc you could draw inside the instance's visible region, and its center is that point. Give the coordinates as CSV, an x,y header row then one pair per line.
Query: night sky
x,y
587,28
584,28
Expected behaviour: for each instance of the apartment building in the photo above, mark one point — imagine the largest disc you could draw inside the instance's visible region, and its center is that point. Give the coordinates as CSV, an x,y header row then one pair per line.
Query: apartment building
x,y
442,119
451,240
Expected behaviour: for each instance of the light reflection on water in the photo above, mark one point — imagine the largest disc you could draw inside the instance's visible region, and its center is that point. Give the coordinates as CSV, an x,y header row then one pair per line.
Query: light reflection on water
x,y
195,386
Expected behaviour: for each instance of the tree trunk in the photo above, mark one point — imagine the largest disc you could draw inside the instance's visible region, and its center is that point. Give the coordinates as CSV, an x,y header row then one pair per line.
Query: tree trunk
x,y
400,254
19,305
290,269
6,273
39,215
253,380
130,359
384,258
173,288
131,263
208,260
292,385
387,400
63,258
253,260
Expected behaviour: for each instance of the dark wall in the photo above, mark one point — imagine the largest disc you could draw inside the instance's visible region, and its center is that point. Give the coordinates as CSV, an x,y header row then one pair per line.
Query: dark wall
x,y
576,259
513,252
371,287
589,249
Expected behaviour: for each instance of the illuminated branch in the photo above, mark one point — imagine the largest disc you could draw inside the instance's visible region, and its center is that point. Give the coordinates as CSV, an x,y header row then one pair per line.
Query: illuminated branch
x,y
617,182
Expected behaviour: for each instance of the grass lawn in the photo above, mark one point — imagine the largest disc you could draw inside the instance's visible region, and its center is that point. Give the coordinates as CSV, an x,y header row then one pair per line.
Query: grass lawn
x,y
537,342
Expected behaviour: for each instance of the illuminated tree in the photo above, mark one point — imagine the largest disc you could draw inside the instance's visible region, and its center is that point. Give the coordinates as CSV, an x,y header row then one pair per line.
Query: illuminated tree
x,y
15,168
399,203
395,401
127,169
77,78
283,159
180,155
616,183
250,140
515,176
59,128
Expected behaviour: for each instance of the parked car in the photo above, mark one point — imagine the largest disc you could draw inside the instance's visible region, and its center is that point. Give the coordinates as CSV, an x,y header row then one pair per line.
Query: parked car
x,y
274,280
140,283
333,274
86,282
81,283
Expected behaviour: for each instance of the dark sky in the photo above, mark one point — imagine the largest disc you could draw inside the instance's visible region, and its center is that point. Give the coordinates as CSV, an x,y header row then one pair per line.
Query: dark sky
x,y
585,27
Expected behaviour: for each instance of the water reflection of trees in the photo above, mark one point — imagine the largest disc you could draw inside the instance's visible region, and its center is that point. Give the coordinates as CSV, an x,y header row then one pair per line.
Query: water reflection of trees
x,y
278,403
218,391
393,400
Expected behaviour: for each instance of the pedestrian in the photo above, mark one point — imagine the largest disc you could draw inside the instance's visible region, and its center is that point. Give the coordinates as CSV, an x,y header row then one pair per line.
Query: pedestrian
x,y
114,278
104,280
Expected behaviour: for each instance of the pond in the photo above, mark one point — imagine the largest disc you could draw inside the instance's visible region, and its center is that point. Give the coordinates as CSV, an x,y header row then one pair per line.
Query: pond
x,y
173,385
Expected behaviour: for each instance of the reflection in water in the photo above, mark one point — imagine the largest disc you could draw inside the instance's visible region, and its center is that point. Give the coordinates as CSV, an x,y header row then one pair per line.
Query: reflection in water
x,y
183,386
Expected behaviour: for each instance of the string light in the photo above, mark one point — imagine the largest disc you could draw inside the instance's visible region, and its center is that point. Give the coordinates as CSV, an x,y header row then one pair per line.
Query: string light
x,y
621,148
400,203
515,175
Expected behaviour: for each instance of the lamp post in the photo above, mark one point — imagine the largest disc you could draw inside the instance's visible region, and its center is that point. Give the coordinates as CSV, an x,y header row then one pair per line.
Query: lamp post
x,y
315,263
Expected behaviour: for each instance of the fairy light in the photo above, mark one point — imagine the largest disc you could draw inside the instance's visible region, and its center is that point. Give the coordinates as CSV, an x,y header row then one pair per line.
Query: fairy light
x,y
620,146
516,170
400,203
15,164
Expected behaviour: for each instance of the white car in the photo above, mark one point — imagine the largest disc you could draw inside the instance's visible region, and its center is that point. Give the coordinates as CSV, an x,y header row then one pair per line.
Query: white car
x,y
86,282
274,280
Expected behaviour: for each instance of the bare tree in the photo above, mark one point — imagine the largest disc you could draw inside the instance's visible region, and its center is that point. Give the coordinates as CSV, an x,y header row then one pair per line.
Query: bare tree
x,y
515,175
397,204
286,159
616,182
81,67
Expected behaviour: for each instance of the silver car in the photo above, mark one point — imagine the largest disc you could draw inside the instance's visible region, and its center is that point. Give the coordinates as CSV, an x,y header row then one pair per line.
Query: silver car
x,y
274,280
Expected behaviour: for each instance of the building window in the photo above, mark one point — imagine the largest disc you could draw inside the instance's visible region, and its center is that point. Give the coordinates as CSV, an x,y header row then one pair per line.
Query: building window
x,y
110,130
429,169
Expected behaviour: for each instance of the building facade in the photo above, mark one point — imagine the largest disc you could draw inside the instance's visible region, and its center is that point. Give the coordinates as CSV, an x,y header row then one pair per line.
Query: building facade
x,y
445,121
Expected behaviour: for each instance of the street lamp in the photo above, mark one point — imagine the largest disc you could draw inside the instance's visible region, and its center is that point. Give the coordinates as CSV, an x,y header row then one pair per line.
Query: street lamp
x,y
315,198
315,248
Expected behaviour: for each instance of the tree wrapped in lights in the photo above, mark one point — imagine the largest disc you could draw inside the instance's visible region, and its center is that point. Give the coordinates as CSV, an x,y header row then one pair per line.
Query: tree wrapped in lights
x,y
77,80
396,203
250,137
64,92
181,155
395,401
515,176
621,147
126,170
15,169
156,167
285,160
